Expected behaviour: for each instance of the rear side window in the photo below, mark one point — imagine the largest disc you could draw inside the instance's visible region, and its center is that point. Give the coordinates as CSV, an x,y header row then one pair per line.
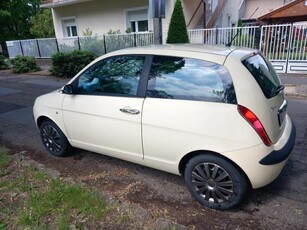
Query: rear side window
x,y
189,79
265,75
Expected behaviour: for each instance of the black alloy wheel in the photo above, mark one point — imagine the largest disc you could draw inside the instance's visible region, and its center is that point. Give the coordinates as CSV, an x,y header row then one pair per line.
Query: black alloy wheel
x,y
214,182
53,139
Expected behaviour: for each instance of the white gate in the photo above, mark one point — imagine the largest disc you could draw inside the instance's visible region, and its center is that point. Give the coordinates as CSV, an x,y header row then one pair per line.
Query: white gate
x,y
285,46
240,36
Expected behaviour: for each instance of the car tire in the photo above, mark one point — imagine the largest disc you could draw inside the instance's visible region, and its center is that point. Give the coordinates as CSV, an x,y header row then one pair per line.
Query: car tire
x,y
54,139
214,182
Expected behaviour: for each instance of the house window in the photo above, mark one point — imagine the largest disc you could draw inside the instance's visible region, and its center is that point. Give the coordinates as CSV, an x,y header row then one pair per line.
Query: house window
x,y
69,27
139,26
137,20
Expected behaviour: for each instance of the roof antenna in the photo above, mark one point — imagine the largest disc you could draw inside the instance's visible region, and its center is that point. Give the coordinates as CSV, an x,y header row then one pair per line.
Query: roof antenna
x,y
239,32
233,38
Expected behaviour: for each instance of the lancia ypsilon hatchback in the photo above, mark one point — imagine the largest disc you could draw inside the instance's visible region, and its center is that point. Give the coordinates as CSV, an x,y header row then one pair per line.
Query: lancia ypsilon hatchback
x,y
216,115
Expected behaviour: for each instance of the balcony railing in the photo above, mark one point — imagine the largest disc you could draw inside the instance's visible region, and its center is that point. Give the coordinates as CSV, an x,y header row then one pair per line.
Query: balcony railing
x,y
55,3
45,1
51,1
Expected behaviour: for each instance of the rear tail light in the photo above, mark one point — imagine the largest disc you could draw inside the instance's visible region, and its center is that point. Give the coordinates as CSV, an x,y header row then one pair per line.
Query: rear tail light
x,y
255,123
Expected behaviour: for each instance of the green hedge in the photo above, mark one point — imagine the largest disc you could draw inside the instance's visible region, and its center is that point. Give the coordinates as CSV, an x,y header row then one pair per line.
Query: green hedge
x,y
3,62
24,64
69,64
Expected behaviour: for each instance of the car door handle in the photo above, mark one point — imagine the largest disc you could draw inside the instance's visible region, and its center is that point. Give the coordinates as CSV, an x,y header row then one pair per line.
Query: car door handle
x,y
128,110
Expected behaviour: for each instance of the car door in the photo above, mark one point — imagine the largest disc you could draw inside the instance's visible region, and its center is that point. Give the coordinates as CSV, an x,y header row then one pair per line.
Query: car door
x,y
103,114
184,110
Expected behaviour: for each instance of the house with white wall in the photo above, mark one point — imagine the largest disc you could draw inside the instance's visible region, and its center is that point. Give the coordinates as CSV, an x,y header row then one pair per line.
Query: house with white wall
x,y
72,17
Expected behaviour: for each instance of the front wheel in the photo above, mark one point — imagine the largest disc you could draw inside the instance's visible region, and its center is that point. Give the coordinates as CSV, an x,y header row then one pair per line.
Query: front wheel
x,y
54,139
214,182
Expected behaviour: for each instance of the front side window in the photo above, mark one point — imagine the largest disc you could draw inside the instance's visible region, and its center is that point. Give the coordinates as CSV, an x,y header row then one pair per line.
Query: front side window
x,y
264,74
118,75
190,79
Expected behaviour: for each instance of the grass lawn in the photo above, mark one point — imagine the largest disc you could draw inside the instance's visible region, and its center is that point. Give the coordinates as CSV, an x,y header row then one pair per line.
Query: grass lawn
x,y
29,199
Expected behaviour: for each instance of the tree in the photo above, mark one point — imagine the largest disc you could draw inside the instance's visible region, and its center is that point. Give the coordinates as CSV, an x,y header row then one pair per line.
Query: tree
x,y
42,24
177,31
15,18
240,24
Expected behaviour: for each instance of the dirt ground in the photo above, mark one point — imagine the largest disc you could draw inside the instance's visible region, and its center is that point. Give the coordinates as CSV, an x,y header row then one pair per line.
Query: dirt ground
x,y
158,200
172,206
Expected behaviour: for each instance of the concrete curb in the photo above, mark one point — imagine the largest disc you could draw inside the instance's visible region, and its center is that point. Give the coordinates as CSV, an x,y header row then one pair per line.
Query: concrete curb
x,y
299,91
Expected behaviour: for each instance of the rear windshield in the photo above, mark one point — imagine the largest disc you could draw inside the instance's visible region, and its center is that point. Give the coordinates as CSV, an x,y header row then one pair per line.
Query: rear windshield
x,y
264,73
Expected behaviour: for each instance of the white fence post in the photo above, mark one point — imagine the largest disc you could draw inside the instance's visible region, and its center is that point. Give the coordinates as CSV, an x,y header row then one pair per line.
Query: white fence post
x,y
289,48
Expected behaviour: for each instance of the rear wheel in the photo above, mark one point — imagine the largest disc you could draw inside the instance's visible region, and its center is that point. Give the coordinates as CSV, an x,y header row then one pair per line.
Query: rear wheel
x,y
54,139
214,182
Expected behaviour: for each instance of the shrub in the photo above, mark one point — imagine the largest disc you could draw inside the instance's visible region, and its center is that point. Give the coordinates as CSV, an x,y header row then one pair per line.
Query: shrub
x,y
110,32
177,31
24,64
3,63
69,64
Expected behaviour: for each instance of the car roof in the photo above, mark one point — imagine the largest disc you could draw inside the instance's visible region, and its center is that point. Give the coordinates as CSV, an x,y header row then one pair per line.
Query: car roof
x,y
199,48
213,53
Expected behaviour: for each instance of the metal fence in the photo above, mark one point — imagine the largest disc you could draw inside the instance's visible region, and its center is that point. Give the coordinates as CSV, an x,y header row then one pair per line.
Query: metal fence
x,y
240,36
284,45
46,47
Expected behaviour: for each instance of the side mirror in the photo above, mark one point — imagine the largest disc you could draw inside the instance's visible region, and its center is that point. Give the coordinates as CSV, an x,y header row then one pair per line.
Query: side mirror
x,y
68,89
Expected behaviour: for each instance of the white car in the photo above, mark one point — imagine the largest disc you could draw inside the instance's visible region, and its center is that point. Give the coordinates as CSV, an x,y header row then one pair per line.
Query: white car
x,y
214,114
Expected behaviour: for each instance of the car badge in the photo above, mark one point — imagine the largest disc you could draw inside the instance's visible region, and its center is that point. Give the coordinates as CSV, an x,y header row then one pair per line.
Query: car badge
x,y
273,108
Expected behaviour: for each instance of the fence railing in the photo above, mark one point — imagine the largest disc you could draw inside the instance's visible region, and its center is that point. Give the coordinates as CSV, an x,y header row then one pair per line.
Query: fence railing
x,y
46,47
284,41
242,36
284,45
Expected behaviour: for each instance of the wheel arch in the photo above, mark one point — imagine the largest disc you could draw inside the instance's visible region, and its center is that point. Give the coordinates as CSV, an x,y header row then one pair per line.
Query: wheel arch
x,y
41,119
193,154
62,146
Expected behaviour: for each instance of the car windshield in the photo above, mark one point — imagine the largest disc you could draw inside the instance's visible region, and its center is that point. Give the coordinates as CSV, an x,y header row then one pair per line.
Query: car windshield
x,y
264,73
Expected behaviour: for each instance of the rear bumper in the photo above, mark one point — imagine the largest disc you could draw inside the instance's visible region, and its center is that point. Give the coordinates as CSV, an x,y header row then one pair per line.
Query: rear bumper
x,y
263,164
277,156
